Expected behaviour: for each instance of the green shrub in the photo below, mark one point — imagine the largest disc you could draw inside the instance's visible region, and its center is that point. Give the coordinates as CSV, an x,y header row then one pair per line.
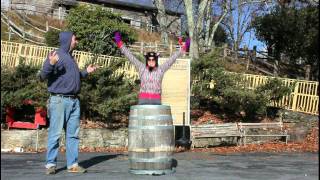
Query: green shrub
x,y
95,27
52,38
21,84
230,91
243,101
274,89
106,96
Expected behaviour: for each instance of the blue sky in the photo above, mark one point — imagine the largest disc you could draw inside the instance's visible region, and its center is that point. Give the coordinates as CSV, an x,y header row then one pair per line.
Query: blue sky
x,y
251,40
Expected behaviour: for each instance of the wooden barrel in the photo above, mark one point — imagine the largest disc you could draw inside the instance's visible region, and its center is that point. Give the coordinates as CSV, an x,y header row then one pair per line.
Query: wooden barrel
x,y
151,140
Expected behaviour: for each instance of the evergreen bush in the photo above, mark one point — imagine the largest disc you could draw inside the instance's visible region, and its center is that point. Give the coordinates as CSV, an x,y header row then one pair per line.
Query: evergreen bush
x,y
95,27
107,96
52,38
22,90
20,84
229,91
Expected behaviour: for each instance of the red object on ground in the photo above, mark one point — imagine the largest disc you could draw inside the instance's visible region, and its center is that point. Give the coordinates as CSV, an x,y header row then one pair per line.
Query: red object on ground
x,y
39,119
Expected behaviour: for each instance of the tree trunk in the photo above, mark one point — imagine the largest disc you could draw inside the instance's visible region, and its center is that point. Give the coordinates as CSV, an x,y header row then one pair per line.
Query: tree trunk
x,y
194,53
207,26
162,19
215,27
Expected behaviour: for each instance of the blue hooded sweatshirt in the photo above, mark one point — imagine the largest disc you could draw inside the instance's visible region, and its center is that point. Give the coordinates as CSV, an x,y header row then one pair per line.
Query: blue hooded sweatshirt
x,y
64,76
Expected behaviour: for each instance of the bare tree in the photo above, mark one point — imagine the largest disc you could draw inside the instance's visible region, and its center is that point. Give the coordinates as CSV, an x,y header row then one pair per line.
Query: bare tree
x,y
162,19
238,20
212,24
194,49
201,27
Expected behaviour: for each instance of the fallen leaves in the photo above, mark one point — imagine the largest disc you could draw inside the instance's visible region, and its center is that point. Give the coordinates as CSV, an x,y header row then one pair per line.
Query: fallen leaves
x,y
87,124
208,118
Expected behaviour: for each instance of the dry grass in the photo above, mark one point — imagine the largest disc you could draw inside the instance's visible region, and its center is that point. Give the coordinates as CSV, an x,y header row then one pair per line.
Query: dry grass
x,y
145,36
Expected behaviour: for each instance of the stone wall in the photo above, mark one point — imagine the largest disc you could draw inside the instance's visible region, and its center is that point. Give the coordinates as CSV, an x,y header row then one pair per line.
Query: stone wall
x,y
14,138
299,124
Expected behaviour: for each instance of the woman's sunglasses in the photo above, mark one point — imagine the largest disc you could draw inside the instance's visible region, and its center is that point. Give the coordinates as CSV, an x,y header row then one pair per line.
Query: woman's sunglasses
x,y
151,59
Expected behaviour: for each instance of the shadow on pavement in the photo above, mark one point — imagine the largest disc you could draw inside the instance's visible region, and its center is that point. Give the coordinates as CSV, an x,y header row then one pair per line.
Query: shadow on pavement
x,y
92,161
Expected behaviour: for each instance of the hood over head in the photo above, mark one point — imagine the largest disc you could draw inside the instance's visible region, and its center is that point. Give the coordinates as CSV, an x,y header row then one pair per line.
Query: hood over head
x,y
65,41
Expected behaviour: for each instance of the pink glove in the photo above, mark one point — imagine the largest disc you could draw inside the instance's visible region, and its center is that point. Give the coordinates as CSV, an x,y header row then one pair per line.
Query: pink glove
x,y
117,39
186,46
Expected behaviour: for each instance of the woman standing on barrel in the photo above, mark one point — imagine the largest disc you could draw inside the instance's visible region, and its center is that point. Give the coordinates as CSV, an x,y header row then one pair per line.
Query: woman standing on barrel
x,y
151,74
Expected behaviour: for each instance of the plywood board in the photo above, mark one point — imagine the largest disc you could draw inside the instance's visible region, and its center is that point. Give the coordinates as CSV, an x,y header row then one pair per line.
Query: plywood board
x,y
176,90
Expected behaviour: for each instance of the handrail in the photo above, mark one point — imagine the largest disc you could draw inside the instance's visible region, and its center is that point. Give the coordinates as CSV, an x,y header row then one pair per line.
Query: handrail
x,y
16,32
26,20
17,28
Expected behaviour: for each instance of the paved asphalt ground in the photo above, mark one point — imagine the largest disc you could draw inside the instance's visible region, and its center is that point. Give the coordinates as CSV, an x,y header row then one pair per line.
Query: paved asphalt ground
x,y
190,165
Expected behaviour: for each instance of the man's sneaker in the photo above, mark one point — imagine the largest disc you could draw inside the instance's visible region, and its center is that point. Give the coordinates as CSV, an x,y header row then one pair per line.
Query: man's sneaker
x,y
77,169
51,170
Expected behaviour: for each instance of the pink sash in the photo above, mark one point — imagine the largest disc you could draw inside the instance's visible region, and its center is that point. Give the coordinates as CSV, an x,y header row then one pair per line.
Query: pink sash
x,y
149,96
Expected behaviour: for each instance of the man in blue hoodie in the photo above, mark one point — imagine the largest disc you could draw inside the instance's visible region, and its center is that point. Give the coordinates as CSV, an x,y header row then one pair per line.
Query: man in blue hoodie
x,y
62,72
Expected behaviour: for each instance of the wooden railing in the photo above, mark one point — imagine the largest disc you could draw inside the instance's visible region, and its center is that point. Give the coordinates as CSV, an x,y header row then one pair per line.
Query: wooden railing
x,y
163,49
12,53
304,98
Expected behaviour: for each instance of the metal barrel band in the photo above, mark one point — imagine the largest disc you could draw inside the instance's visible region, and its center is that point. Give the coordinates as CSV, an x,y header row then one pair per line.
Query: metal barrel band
x,y
150,160
150,127
153,172
149,118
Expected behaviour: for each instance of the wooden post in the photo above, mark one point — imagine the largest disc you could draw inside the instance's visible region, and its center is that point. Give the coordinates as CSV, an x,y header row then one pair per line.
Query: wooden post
x,y
60,19
19,55
59,13
248,64
225,51
9,29
47,25
81,60
37,138
24,23
275,68
295,97
308,70
141,47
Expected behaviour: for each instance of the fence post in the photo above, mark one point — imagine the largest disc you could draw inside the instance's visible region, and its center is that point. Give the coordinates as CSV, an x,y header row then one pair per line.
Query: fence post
x,y
141,47
81,60
295,97
17,59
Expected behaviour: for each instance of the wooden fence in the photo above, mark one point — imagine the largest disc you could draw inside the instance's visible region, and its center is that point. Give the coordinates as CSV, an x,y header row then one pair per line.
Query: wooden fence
x,y
12,53
304,98
163,49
